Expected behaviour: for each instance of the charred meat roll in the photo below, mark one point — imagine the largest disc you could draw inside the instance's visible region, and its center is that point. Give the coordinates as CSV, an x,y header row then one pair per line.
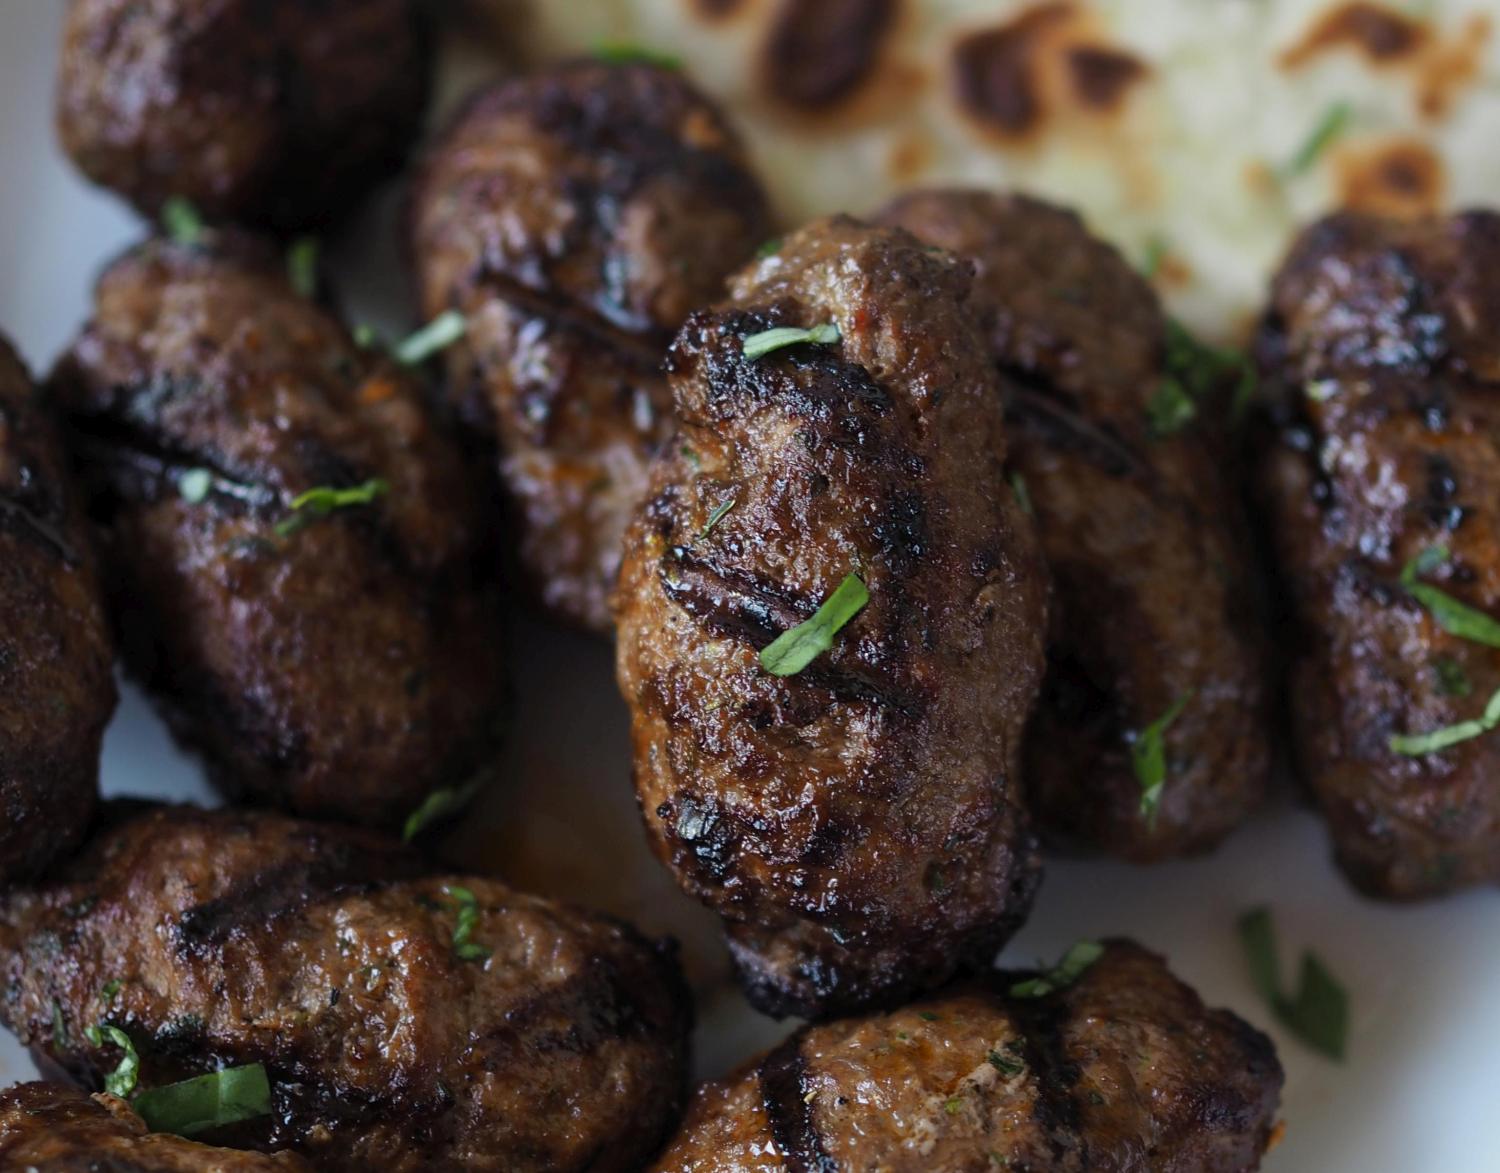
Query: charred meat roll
x,y
57,686
1155,639
1124,1070
278,113
406,1020
575,218
1382,486
52,1128
291,541
854,816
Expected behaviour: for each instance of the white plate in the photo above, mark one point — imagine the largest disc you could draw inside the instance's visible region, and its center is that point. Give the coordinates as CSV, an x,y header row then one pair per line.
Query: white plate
x,y
1422,1078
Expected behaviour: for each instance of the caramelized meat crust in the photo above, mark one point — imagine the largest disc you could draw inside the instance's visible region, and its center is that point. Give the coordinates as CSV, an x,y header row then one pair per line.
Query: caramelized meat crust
x,y
57,686
1382,344
1125,1072
52,1128
342,665
858,824
407,1020
575,218
1154,601
279,113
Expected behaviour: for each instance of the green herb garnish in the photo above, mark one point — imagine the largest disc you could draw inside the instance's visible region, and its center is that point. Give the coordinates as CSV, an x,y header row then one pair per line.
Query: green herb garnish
x,y
1006,1065
1319,1013
468,915
1023,494
193,486
625,53
768,248
1334,122
1074,964
439,805
206,1101
443,331
717,515
1170,409
111,988
1452,679
1451,615
365,336
302,265
758,345
181,221
320,502
1148,758
1155,256
1414,745
953,1106
1194,373
795,649
121,1081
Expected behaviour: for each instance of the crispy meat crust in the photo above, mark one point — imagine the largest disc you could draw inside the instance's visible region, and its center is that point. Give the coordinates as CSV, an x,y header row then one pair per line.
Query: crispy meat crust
x,y
576,217
329,955
858,824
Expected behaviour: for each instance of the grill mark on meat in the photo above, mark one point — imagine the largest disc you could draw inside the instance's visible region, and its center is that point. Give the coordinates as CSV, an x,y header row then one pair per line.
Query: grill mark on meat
x,y
1039,411
25,523
784,1094
139,466
1041,1022
641,347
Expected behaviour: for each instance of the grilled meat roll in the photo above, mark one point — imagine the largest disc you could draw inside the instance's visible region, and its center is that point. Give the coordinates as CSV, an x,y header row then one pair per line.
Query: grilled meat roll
x,y
856,823
278,113
292,543
51,1128
1382,484
57,687
1125,1071
1154,611
575,218
406,1020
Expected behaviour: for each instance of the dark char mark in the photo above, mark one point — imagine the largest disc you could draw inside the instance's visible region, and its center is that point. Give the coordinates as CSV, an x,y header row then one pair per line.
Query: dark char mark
x,y
784,1095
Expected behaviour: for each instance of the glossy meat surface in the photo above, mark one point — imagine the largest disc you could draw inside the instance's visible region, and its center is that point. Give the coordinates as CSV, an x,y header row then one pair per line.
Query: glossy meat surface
x,y
1143,534
341,963
858,824
1383,344
1124,1072
576,217
56,656
53,1128
345,665
273,112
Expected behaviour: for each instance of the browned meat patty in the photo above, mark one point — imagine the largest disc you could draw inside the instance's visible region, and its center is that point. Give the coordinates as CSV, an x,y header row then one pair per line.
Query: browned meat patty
x,y
1143,532
273,112
340,664
51,1128
57,687
857,824
575,218
1124,1072
1382,343
406,1020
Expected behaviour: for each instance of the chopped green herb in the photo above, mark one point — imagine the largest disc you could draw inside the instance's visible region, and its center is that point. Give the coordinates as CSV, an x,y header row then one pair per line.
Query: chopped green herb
x,y
181,221
625,53
1321,390
1074,964
365,336
758,345
111,988
206,1101
1006,1065
121,1081
1155,255
1170,409
953,1106
768,248
717,515
302,265
794,650
692,458
1334,122
193,486
1451,615
1416,744
443,331
468,917
1023,494
1319,1013
323,500
929,1016
439,805
1148,757
60,1038
1452,679
1194,374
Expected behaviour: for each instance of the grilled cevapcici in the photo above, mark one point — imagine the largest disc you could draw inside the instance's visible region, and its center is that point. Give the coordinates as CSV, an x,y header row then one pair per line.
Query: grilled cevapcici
x,y
56,658
1154,620
1122,1070
575,217
407,1020
1382,484
857,823
273,112
292,545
